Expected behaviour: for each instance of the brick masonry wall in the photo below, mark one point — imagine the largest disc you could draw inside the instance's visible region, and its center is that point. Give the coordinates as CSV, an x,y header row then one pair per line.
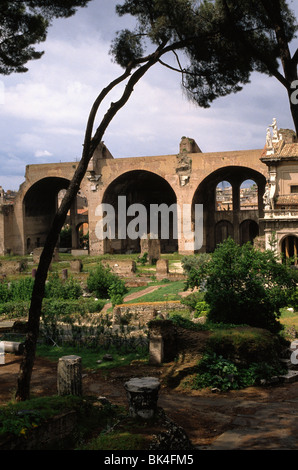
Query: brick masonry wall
x,y
139,314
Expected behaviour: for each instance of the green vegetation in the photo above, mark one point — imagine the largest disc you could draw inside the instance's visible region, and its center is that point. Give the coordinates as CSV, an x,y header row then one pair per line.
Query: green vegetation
x,y
116,440
21,289
245,347
61,298
169,291
236,354
106,285
93,358
22,418
244,286
218,372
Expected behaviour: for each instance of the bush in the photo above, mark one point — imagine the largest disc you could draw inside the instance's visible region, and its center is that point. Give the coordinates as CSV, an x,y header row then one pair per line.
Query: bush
x,y
201,309
117,291
105,284
215,371
194,261
4,292
58,289
15,309
192,299
20,290
61,308
244,286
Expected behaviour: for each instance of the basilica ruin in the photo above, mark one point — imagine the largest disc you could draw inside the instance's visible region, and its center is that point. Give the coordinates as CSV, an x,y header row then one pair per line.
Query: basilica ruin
x,y
250,195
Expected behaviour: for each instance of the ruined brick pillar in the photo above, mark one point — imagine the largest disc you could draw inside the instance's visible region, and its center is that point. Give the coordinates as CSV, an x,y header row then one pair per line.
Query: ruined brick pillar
x,y
162,341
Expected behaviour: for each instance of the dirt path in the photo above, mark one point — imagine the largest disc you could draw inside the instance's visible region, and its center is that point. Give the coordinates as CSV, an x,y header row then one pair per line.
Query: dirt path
x,y
134,295
254,418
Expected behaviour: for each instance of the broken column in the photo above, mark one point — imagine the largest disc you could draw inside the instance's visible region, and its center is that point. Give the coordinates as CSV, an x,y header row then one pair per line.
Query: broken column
x,y
142,395
69,375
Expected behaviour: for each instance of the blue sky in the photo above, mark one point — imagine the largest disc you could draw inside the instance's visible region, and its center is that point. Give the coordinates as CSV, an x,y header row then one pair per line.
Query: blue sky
x,y
44,111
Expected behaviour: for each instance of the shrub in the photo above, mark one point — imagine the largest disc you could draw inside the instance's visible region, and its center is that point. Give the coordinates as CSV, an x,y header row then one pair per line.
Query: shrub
x,y
105,284
201,309
244,285
15,309
215,371
117,291
4,292
58,289
21,289
192,299
194,261
61,308
143,259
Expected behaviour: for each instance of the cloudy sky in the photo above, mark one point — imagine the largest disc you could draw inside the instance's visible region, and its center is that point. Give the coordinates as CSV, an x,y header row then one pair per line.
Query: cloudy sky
x,y
44,111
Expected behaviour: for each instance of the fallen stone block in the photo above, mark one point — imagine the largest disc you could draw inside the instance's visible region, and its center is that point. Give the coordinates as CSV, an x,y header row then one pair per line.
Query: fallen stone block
x,y
290,377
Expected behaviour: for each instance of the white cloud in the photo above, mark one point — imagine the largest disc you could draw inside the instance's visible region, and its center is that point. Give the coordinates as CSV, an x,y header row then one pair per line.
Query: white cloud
x,y
45,111
42,153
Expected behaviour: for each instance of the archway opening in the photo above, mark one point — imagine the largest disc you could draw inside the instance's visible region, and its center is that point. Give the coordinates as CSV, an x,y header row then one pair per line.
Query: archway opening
x,y
224,214
83,235
223,230
143,196
249,195
40,205
249,230
224,196
74,234
289,249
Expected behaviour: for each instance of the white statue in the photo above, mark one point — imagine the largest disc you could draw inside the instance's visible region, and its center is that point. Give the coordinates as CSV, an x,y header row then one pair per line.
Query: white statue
x,y
275,130
266,198
269,144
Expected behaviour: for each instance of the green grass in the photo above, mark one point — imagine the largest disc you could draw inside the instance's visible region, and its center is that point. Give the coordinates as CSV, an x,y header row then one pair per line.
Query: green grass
x,y
90,357
117,440
18,418
289,318
165,293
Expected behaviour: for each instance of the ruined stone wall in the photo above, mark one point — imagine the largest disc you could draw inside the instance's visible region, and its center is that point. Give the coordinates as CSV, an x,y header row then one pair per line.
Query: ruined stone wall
x,y
139,314
183,172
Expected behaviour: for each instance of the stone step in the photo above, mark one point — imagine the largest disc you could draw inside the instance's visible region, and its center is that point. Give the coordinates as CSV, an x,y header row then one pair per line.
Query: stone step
x,y
290,377
6,326
294,345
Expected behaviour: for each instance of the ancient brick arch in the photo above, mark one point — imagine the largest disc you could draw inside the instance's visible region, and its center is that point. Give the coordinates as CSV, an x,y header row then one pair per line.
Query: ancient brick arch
x,y
149,189
185,178
40,203
229,220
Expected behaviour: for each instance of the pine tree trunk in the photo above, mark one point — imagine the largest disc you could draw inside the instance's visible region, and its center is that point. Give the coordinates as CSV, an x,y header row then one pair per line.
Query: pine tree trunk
x,y
90,144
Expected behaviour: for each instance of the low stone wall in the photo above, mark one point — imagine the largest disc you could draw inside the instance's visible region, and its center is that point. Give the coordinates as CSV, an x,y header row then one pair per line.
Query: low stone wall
x,y
139,314
121,266
8,267
37,252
